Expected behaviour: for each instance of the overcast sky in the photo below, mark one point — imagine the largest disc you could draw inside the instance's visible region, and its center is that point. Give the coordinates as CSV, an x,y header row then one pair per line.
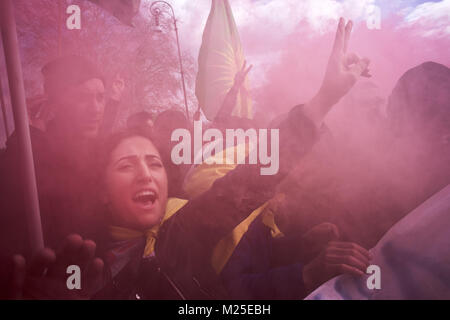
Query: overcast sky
x,y
265,25
278,18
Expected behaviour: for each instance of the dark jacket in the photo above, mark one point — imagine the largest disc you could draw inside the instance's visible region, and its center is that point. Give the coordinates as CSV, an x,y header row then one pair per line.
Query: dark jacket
x,y
253,271
186,241
65,194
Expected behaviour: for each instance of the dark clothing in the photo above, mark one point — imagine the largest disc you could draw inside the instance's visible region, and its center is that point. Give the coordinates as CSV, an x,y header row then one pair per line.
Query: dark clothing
x,y
110,116
130,276
253,272
65,198
186,241
65,194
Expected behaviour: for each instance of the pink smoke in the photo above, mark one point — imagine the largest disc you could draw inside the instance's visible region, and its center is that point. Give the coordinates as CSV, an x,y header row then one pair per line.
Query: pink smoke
x,y
295,74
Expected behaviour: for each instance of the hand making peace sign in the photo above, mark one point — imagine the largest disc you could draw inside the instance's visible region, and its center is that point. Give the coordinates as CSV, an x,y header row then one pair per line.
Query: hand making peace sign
x,y
343,70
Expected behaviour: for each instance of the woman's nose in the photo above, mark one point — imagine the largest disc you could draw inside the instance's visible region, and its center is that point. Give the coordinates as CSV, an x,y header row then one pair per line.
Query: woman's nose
x,y
144,173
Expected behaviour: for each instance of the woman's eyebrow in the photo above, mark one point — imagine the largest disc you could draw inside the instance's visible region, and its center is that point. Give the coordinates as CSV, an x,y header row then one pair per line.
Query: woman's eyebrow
x,y
148,156
126,158
153,156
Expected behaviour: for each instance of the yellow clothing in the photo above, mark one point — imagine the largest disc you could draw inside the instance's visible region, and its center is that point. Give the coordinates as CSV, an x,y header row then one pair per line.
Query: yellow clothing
x,y
225,248
120,233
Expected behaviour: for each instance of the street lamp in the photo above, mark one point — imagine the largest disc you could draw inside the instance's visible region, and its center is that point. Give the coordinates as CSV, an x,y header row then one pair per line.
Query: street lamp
x,y
156,12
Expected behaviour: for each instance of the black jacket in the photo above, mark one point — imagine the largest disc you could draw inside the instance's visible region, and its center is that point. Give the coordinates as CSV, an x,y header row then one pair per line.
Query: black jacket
x,y
186,241
182,267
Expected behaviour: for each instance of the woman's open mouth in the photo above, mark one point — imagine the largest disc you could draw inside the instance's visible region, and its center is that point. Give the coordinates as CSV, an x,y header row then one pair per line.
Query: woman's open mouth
x,y
145,198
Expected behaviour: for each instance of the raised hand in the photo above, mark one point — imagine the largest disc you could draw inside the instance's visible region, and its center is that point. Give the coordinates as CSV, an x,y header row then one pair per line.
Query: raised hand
x,y
343,70
45,277
239,78
230,99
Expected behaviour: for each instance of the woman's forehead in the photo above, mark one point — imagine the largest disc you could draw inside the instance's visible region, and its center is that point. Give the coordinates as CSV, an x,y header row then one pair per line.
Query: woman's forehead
x,y
134,146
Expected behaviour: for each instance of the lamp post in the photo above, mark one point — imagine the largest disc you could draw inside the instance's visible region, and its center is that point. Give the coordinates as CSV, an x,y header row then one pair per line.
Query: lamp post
x,y
156,12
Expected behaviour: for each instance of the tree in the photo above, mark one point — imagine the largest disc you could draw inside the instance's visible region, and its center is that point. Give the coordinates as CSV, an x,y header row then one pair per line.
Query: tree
x,y
145,59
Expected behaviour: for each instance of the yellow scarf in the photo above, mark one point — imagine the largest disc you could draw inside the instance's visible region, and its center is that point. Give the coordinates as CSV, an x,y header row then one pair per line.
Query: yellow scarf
x,y
200,179
225,248
121,234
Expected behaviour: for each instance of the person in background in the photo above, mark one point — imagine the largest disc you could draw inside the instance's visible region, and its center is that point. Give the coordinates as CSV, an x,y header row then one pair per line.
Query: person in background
x,y
140,119
113,104
413,246
419,120
62,154
165,123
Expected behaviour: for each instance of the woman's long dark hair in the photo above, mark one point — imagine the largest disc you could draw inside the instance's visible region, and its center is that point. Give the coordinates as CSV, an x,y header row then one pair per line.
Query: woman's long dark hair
x,y
102,155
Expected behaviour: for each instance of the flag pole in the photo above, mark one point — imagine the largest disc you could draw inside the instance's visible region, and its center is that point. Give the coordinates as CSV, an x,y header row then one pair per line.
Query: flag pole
x,y
59,27
2,102
17,90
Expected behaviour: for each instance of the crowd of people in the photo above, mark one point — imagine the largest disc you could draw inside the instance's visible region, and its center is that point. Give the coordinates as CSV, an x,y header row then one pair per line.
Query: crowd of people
x,y
141,227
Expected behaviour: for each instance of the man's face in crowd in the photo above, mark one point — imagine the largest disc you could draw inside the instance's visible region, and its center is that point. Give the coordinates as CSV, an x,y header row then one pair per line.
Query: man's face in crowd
x,y
82,108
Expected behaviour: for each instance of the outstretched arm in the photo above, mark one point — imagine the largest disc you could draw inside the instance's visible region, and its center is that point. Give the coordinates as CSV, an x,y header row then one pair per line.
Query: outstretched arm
x,y
208,218
244,189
